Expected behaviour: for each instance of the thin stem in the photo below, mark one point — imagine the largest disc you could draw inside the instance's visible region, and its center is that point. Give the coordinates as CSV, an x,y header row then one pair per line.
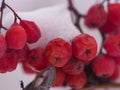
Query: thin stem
x,y
15,14
104,1
103,38
22,84
77,15
2,8
3,27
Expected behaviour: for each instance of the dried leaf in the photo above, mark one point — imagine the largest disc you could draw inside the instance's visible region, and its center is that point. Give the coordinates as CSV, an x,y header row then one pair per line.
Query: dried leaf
x,y
43,80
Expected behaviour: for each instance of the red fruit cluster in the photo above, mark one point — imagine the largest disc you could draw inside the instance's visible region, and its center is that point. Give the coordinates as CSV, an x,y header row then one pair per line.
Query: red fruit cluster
x,y
108,23
76,63
71,59
13,47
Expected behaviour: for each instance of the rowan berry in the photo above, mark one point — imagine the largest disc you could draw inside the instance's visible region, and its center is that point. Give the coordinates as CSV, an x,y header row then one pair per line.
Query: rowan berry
x,y
16,37
58,52
96,16
103,66
76,81
32,30
74,67
84,47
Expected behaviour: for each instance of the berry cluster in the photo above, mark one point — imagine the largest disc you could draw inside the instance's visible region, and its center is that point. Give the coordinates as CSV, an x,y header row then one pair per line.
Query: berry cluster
x,y
77,63
13,47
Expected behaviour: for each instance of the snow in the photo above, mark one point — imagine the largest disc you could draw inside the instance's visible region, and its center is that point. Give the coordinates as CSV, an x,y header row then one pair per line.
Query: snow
x,y
53,22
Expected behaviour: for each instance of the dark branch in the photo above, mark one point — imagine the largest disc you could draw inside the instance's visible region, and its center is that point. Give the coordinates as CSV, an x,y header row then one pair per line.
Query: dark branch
x,y
77,15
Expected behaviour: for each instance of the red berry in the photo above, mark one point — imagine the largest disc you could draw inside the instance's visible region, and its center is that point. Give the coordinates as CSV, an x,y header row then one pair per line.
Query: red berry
x,y
27,69
32,30
3,46
108,27
74,67
114,13
96,16
117,60
35,58
84,47
58,52
115,74
103,65
8,62
60,78
20,54
76,81
16,37
112,45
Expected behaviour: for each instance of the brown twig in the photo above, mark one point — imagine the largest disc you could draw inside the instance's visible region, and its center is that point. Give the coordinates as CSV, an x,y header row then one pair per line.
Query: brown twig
x,y
2,9
77,15
103,38
15,14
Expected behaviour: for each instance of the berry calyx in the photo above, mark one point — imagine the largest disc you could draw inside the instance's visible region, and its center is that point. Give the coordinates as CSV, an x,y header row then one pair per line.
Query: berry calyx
x,y
84,47
35,59
58,52
74,67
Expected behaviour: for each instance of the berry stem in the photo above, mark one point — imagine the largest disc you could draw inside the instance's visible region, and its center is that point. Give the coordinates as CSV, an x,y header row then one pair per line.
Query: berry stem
x,y
15,14
104,1
22,84
77,15
1,18
103,38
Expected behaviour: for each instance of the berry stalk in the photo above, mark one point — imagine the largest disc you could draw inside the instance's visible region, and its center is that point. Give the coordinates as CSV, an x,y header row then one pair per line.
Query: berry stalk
x,y
77,15
1,10
15,14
